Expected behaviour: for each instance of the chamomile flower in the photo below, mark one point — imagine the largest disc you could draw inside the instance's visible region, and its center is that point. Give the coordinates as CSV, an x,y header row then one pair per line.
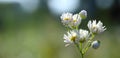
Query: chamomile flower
x,y
76,20
95,27
71,37
66,18
83,14
83,35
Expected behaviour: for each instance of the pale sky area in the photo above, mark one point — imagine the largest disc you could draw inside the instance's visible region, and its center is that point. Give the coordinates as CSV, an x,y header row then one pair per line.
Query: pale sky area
x,y
27,5
56,6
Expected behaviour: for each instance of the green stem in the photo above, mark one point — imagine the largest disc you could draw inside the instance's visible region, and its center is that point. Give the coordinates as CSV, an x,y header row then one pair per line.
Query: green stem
x,y
76,28
82,55
88,43
68,28
80,49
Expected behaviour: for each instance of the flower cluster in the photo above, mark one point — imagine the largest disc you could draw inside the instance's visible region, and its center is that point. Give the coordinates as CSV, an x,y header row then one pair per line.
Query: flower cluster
x,y
78,36
70,20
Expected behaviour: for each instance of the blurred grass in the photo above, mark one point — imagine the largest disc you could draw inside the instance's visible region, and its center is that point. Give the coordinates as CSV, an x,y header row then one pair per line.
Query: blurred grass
x,y
46,41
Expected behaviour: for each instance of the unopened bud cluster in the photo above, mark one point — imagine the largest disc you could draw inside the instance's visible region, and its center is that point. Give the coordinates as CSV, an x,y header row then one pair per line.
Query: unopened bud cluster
x,y
78,36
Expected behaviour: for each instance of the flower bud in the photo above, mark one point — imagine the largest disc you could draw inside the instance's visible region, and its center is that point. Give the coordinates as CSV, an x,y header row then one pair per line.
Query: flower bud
x,y
83,14
95,44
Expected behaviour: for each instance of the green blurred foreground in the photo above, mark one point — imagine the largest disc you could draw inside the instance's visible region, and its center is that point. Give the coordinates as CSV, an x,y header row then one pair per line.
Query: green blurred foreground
x,y
45,40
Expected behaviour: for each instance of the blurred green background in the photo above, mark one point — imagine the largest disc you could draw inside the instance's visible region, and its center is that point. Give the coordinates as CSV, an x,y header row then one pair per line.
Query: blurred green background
x,y
32,28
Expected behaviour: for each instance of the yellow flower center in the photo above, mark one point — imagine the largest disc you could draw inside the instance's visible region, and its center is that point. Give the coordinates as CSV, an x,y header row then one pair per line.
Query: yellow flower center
x,y
74,20
94,26
73,37
66,19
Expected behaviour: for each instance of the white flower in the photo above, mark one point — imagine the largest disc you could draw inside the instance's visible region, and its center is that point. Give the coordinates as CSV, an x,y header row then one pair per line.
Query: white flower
x,y
95,44
71,37
83,14
83,35
66,18
76,20
96,27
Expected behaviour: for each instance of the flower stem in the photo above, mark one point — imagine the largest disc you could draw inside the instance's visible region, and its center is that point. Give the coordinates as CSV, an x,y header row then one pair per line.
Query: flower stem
x,y
68,28
82,55
88,44
80,49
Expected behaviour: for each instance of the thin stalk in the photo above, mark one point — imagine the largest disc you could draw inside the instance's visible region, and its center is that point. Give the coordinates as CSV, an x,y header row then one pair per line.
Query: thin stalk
x,y
76,28
80,49
88,44
82,55
68,28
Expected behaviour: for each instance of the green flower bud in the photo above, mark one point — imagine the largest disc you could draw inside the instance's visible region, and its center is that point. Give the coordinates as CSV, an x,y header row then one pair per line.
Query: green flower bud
x,y
83,14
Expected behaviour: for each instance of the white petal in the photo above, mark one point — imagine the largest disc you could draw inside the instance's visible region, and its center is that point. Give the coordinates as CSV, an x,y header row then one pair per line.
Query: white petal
x,y
96,27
